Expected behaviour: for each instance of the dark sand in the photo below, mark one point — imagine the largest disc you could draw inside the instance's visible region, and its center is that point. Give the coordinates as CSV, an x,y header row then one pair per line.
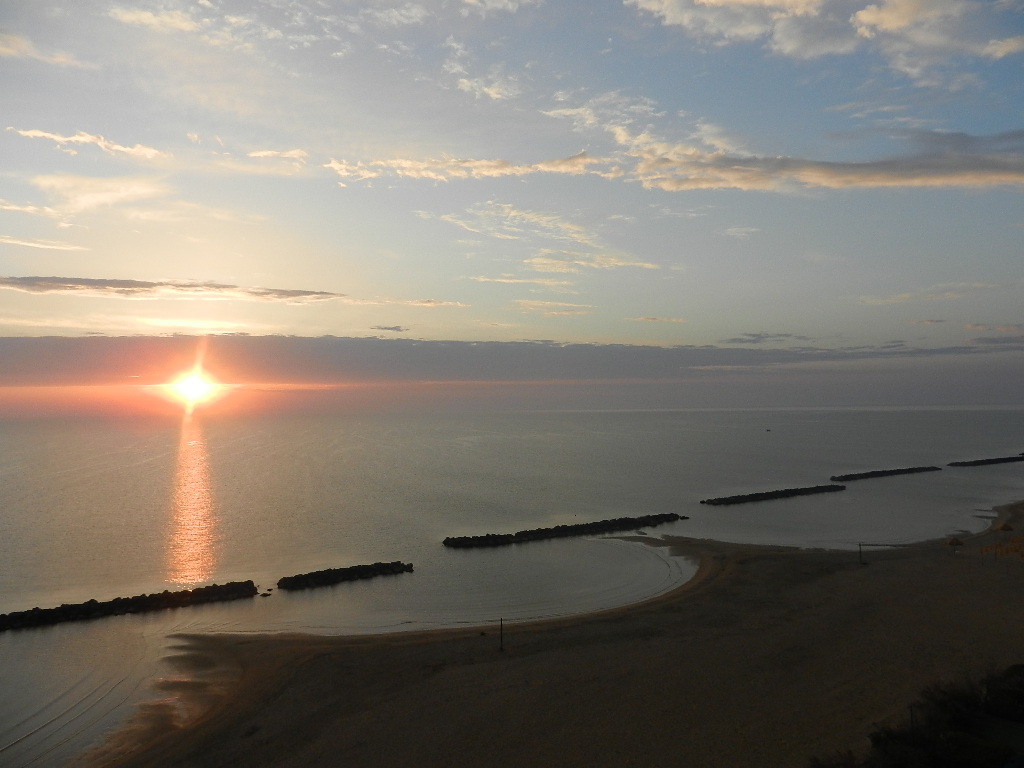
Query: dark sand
x,y
768,657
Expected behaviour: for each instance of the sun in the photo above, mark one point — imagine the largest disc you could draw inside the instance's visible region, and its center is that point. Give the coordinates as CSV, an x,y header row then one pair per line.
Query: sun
x,y
194,388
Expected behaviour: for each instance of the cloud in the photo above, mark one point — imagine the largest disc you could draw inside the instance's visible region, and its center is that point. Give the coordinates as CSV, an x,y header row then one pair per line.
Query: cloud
x,y
165,21
1012,342
396,16
1012,328
167,289
508,222
552,260
764,338
915,37
296,155
50,245
13,46
82,193
944,292
394,328
926,322
677,167
35,210
139,151
495,85
483,7
450,168
546,282
504,221
741,233
656,319
553,308
328,360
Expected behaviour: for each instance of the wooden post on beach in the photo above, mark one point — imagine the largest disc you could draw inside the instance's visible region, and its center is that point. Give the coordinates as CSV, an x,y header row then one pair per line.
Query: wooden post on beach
x,y
501,634
860,553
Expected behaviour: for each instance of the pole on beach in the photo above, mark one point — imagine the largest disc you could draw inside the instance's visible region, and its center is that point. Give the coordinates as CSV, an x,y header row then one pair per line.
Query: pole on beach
x,y
501,634
860,553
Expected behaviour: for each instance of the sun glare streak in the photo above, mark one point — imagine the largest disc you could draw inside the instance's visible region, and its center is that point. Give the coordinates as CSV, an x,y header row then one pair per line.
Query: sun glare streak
x,y
191,557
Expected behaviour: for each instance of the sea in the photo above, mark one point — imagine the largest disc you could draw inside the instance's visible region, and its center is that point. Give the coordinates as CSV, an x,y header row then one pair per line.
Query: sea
x,y
100,507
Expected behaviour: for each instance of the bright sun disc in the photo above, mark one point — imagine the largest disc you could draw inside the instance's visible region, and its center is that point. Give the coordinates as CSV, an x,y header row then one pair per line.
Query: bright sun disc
x,y
194,388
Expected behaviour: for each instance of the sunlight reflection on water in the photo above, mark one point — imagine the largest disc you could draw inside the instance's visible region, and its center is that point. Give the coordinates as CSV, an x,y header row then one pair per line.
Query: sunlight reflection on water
x,y
191,555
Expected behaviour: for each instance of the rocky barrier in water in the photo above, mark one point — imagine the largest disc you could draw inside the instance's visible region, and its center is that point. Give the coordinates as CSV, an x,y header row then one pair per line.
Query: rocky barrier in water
x,y
329,576
883,473
768,495
561,531
982,462
95,609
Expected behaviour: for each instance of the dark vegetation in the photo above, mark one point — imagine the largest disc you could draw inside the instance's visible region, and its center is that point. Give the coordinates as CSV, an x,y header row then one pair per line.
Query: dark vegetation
x,y
331,576
882,473
159,601
768,495
560,531
957,725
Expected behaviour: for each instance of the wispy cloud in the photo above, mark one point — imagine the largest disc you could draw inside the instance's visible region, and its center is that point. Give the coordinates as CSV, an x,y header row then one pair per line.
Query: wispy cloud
x,y
542,281
82,193
138,151
483,7
49,245
451,168
167,289
509,222
656,320
14,46
164,21
765,338
945,292
567,260
1010,328
553,308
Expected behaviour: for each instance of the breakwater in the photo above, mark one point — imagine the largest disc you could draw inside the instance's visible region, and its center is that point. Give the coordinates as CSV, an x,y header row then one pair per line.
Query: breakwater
x,y
982,462
329,576
882,473
561,531
95,609
768,495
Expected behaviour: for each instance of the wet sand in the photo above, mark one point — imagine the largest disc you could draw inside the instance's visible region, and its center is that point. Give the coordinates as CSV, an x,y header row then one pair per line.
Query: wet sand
x,y
769,656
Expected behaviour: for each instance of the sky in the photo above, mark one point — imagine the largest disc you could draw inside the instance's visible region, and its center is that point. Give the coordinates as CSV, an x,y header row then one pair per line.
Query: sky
x,y
816,199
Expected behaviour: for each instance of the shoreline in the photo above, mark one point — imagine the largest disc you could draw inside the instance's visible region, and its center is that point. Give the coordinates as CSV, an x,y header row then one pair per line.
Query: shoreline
x,y
767,655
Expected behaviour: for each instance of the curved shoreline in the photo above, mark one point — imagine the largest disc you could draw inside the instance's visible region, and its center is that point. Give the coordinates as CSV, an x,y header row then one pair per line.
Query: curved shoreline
x,y
767,655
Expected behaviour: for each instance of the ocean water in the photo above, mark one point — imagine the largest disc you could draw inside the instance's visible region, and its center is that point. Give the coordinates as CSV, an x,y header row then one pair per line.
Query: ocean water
x,y
100,507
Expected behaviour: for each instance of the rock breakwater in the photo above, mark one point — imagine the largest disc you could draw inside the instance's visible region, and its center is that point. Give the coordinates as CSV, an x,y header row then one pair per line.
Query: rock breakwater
x,y
882,473
329,576
982,462
783,493
95,609
561,531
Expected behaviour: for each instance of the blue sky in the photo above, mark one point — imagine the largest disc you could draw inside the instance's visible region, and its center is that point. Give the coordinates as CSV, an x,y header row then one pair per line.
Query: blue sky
x,y
809,180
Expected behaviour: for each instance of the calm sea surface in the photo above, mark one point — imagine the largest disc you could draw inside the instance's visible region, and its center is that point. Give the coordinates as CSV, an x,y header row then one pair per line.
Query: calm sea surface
x,y
98,508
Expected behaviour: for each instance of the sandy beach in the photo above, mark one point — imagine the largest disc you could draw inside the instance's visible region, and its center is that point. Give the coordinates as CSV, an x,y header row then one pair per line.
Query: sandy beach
x,y
769,656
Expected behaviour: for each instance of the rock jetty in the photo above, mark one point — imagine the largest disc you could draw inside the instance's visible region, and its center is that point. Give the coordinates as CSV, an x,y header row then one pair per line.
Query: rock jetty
x,y
768,495
95,609
982,462
561,531
882,473
329,576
